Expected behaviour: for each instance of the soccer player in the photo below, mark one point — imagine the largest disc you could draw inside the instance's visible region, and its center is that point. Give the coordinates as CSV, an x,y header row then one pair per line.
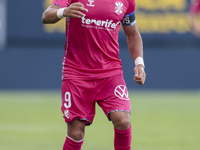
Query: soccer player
x,y
195,17
92,70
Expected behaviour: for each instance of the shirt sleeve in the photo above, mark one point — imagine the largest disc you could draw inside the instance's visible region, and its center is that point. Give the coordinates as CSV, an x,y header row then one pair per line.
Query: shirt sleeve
x,y
61,3
129,18
132,7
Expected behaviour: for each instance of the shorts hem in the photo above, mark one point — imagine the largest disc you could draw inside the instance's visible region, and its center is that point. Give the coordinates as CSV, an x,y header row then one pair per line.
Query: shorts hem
x,y
116,111
87,122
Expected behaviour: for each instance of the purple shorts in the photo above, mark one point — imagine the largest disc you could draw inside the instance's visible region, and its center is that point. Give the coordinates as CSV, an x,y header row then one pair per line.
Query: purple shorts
x,y
80,96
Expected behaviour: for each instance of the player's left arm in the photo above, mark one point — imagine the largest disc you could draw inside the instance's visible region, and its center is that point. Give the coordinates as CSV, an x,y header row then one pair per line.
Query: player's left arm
x,y
135,46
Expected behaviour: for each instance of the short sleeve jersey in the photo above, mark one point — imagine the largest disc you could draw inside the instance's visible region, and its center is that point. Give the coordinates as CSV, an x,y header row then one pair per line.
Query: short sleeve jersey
x,y
91,48
195,6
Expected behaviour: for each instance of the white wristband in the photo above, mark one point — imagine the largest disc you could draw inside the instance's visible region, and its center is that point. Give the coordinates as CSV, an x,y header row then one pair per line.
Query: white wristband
x,y
139,61
60,13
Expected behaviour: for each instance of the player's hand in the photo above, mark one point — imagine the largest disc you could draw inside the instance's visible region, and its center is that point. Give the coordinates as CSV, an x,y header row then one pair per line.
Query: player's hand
x,y
75,10
140,75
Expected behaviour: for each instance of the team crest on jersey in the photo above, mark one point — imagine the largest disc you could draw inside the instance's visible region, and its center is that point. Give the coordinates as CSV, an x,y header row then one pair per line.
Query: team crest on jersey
x,y
121,92
119,7
90,3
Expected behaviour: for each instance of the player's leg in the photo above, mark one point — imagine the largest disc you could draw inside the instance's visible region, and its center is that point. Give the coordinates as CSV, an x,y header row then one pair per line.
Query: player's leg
x,y
78,110
121,120
122,126
76,129
75,135
113,98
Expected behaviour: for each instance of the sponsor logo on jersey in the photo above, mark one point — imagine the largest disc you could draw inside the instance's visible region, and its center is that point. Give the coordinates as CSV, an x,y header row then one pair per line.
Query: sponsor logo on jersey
x,y
119,7
90,3
99,24
121,92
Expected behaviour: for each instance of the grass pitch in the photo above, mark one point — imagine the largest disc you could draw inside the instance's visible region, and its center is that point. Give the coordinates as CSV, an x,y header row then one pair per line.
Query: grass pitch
x,y
160,120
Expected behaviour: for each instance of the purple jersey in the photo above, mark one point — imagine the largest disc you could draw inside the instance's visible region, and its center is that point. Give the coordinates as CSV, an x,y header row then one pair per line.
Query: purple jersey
x,y
91,48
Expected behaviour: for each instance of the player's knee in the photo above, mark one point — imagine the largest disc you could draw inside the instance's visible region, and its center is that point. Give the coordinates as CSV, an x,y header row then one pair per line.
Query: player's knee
x,y
122,124
76,130
121,120
77,135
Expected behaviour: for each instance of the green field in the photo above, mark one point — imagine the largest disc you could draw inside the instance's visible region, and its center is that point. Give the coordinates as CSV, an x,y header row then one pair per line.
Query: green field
x,y
31,120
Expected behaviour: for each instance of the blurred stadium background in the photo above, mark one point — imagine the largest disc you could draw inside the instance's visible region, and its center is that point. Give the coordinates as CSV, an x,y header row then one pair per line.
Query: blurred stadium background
x,y
30,79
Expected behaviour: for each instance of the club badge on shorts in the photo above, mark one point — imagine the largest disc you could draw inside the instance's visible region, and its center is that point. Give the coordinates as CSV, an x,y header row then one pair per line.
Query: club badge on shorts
x,y
66,113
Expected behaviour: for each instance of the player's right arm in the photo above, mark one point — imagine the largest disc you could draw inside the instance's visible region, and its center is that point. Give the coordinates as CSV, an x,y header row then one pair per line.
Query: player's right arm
x,y
75,10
